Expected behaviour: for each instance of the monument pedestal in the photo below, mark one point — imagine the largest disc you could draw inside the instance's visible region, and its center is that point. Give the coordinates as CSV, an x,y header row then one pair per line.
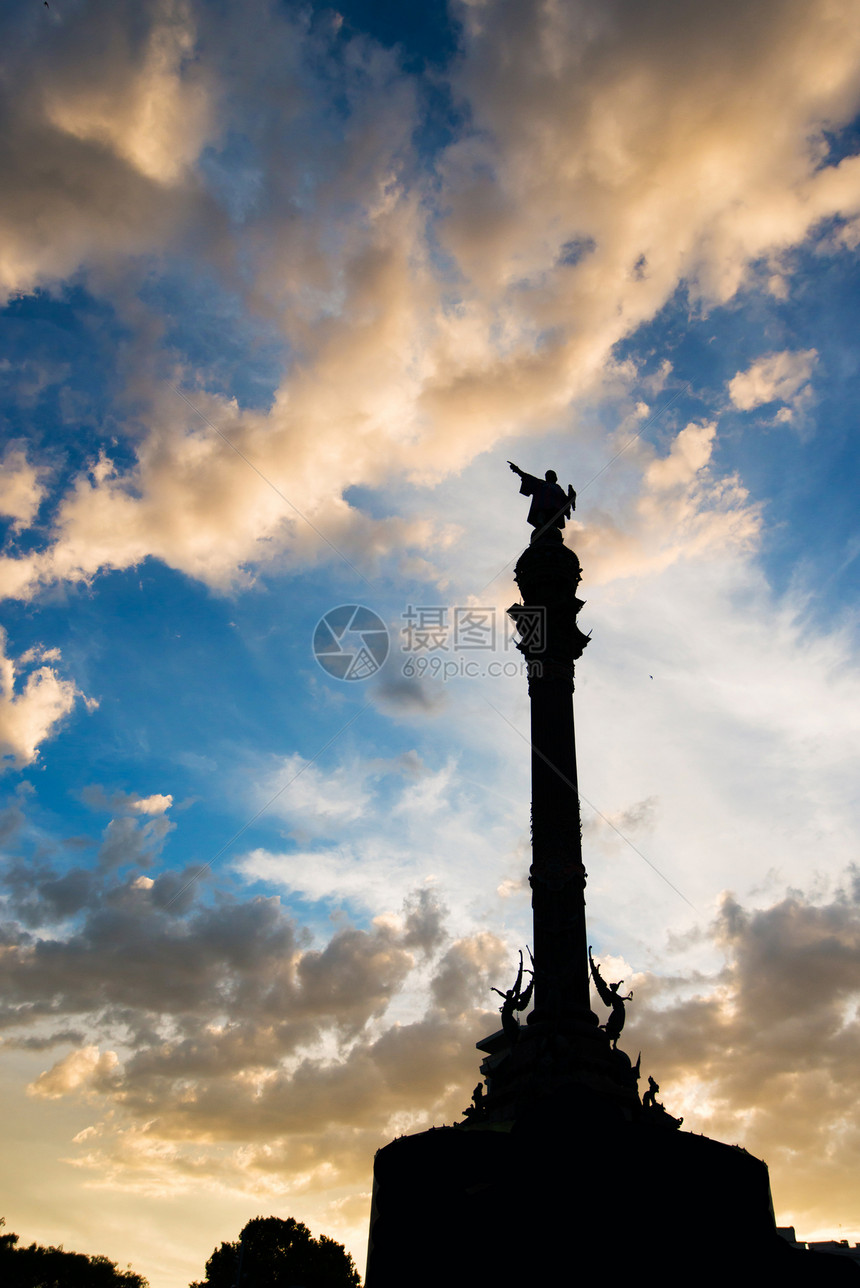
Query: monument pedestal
x,y
539,1201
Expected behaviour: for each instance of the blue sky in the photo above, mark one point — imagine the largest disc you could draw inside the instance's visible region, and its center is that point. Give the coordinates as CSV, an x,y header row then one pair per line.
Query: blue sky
x,y
283,291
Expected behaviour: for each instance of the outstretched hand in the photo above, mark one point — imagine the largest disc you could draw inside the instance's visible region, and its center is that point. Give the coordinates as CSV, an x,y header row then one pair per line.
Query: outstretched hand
x,y
516,469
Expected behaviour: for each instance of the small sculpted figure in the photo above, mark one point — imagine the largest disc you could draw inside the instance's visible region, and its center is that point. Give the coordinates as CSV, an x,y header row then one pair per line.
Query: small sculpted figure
x,y
478,1108
551,505
515,999
610,996
657,1112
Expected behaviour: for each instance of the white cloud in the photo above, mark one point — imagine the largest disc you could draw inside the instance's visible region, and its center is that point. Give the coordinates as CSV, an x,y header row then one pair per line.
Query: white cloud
x,y
776,377
150,107
365,837
76,1071
30,713
155,804
124,803
683,512
650,158
314,800
21,490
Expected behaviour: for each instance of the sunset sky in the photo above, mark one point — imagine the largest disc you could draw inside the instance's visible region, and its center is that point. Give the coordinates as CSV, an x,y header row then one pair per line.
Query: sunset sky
x,y
285,285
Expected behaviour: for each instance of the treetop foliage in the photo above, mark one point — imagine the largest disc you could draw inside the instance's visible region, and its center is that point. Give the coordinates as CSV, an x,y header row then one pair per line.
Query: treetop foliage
x,y
276,1253
38,1267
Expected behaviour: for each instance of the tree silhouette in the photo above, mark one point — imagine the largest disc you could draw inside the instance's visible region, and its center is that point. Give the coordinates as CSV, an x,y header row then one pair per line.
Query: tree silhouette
x,y
276,1253
38,1267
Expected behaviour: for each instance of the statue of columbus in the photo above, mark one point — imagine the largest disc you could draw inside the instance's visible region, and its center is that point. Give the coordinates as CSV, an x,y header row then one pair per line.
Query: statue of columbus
x,y
551,505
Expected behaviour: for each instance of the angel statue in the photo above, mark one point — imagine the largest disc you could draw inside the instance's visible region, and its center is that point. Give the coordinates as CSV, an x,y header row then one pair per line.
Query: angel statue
x,y
609,996
515,999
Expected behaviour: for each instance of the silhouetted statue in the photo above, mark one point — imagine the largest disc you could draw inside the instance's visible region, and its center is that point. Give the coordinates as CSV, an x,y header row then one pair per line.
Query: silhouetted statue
x,y
610,996
551,505
658,1113
476,1110
515,999
649,1099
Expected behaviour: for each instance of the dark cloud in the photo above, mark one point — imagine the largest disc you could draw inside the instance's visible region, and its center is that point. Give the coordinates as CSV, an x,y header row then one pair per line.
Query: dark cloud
x,y
39,895
425,922
73,151
68,894
467,972
766,1049
174,892
426,1068
354,977
127,954
11,820
213,984
34,1042
126,841
226,1023
229,1024
136,838
400,695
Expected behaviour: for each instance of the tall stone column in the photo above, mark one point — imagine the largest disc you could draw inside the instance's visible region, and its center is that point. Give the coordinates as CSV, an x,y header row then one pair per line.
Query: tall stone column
x,y
548,574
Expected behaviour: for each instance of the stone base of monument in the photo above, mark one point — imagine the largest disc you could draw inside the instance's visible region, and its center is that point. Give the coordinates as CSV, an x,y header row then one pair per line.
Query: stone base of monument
x,y
571,1189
